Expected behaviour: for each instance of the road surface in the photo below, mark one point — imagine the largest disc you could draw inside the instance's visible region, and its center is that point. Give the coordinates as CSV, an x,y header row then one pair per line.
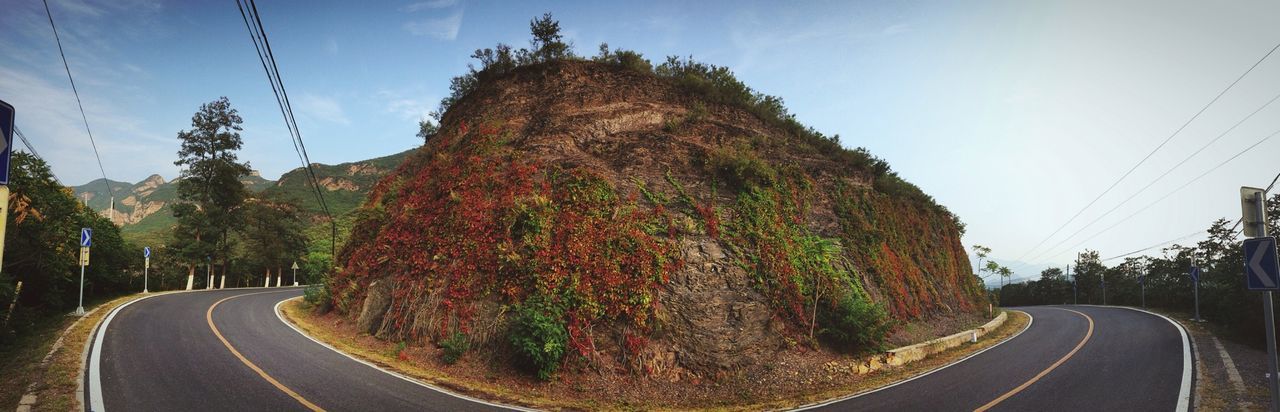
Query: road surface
x,y
228,350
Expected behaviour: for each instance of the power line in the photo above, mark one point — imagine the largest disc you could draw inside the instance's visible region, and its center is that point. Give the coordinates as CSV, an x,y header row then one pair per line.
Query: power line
x,y
1192,234
1166,196
1162,176
262,46
1153,151
66,66
32,149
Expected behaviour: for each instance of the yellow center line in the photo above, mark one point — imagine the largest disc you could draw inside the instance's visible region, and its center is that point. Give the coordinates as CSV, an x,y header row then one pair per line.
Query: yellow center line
x,y
1055,365
209,317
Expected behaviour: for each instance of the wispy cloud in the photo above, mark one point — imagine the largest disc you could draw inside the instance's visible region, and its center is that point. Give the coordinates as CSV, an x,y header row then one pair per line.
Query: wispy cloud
x,y
331,46
407,108
427,5
324,109
443,28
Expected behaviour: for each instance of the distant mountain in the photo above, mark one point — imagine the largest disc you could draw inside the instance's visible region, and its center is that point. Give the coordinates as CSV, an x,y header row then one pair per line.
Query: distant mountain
x,y
143,209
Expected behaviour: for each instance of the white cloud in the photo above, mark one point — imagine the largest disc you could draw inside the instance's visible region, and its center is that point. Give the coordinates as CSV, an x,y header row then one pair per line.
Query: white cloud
x,y
425,5
895,29
407,108
443,28
322,108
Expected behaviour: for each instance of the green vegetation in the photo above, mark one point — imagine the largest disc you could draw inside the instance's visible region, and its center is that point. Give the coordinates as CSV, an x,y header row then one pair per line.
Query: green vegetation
x,y
539,336
454,347
42,240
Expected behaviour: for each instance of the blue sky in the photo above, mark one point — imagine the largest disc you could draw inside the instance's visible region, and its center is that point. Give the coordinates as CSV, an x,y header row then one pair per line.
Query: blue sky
x,y
1013,114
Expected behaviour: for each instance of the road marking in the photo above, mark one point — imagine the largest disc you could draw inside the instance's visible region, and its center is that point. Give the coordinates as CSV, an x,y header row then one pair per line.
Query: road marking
x,y
1233,374
1030,320
386,371
1055,365
209,317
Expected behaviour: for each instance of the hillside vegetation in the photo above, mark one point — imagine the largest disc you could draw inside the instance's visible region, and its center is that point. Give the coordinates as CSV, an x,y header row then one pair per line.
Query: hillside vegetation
x,y
661,221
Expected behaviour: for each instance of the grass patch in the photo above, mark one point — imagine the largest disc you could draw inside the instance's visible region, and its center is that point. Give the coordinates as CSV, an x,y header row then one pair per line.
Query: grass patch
x,y
55,389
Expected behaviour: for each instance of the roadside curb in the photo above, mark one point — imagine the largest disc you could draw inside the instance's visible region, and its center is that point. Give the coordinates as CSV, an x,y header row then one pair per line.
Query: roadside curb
x,y
29,398
1030,320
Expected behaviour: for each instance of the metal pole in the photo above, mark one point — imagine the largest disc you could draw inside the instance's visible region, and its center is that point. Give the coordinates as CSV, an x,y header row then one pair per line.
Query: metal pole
x,y
295,274
80,308
144,278
1270,317
1103,274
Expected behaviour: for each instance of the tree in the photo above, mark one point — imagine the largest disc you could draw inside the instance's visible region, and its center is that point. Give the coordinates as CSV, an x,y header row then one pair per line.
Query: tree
x,y
42,240
210,183
273,235
426,130
547,42
981,252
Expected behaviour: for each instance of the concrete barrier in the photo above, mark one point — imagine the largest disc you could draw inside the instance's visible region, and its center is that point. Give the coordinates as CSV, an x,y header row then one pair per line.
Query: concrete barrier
x,y
912,353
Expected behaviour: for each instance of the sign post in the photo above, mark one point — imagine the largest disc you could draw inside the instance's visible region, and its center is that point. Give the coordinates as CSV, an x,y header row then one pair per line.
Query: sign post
x,y
86,240
6,150
295,273
146,265
1262,272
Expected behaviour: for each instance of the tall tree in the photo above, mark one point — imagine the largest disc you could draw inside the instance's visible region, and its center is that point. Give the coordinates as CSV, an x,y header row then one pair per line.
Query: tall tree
x,y
273,235
211,180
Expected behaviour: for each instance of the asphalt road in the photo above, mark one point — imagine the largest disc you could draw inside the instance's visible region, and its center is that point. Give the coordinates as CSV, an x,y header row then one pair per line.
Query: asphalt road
x,y
1131,361
162,354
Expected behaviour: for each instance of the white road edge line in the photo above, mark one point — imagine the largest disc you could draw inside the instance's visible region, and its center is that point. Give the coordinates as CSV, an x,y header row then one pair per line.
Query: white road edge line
x,y
95,355
403,377
1030,320
1184,390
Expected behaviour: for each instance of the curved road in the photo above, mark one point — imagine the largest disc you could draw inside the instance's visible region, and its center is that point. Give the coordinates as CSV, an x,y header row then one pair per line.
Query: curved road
x,y
228,350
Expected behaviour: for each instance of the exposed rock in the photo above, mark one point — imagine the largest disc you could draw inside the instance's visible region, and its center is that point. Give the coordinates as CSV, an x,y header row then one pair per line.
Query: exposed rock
x,y
375,307
338,183
715,318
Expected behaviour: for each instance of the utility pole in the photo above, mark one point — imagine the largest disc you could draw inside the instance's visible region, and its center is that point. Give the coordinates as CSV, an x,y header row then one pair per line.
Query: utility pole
x,y
1075,290
1103,275
1142,280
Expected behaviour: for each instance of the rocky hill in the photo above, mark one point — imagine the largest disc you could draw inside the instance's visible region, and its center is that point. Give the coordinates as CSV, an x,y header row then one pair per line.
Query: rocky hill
x,y
638,221
142,209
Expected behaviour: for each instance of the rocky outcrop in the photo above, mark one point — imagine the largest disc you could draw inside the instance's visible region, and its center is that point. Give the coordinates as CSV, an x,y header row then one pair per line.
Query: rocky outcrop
x,y
376,303
715,319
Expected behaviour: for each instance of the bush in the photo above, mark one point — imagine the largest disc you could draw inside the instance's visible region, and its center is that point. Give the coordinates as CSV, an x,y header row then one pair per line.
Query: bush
x,y
317,296
853,325
741,168
539,336
454,346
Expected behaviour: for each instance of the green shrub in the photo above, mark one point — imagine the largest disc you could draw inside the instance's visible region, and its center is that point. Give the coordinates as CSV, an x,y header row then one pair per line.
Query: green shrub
x,y
539,336
454,346
853,325
741,168
317,296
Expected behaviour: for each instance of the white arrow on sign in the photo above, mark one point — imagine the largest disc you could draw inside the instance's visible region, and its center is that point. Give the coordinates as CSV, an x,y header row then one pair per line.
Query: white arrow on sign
x,y
1255,265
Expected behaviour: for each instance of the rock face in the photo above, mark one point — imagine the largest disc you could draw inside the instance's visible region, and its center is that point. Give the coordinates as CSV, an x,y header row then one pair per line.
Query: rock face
x,y
717,320
376,303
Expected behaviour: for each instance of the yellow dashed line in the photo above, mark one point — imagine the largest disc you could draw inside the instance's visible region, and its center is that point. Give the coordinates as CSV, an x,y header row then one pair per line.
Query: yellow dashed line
x,y
209,317
1055,365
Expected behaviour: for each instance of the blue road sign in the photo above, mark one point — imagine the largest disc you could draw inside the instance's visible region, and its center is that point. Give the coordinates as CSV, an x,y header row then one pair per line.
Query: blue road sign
x,y
1261,269
146,252
6,128
86,237
1195,274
